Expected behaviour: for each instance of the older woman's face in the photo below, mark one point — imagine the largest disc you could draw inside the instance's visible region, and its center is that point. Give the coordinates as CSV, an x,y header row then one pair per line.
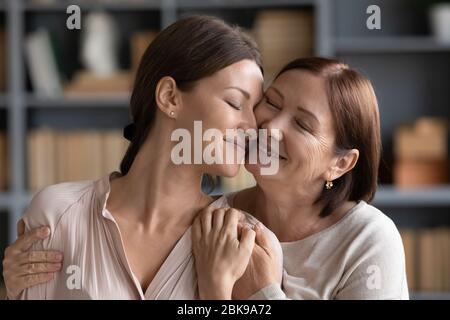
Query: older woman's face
x,y
296,104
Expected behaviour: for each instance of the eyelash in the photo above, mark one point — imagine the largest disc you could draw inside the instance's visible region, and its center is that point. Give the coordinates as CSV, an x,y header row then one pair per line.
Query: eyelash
x,y
300,125
303,127
271,103
234,106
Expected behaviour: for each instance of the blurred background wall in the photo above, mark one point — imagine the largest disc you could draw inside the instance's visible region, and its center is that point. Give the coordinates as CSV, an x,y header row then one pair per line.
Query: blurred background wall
x,y
61,118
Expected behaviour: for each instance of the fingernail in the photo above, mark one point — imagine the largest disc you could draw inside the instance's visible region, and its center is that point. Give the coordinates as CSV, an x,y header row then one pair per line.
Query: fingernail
x,y
58,256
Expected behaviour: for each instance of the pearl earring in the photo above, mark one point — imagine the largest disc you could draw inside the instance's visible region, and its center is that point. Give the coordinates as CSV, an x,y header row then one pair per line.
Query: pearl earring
x,y
172,113
329,185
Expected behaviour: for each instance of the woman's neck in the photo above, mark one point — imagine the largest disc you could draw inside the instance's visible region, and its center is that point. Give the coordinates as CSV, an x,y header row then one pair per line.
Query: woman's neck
x,y
156,193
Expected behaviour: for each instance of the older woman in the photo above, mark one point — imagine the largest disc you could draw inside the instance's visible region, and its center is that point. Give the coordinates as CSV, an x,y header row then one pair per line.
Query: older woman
x,y
335,244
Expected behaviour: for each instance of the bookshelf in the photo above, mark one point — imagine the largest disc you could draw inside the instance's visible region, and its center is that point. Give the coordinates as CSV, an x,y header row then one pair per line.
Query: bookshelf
x,y
401,52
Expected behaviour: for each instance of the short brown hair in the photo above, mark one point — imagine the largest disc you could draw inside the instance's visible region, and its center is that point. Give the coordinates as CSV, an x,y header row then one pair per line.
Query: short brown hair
x,y
188,50
355,114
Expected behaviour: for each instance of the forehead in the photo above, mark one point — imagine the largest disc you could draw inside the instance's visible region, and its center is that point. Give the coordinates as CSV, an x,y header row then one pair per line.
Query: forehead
x,y
244,74
304,89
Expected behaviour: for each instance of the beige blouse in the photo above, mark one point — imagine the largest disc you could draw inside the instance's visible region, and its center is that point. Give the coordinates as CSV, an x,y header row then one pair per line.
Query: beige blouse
x,y
95,265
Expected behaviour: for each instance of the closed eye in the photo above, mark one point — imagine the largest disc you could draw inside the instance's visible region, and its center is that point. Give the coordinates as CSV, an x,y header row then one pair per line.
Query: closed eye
x,y
302,126
273,105
234,106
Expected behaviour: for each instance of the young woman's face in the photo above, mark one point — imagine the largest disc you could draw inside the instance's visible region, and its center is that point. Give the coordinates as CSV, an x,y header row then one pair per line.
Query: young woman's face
x,y
223,101
296,104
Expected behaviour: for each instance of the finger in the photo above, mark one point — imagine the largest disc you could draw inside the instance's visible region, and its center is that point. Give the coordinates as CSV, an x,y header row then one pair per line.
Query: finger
x,y
34,268
35,279
40,257
20,227
25,242
217,220
262,237
196,231
231,223
247,241
206,220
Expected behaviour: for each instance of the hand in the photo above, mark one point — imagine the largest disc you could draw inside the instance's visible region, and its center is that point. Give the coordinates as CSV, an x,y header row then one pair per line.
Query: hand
x,y
264,268
221,256
23,268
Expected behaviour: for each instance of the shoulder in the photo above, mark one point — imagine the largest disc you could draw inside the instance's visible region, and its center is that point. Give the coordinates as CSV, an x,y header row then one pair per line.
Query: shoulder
x,y
52,202
372,225
374,259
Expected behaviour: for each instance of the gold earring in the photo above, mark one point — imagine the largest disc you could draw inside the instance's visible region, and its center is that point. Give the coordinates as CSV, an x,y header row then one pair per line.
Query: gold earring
x,y
329,185
172,113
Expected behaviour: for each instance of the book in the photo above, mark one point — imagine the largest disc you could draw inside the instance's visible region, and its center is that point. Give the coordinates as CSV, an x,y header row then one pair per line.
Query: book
x,y
114,147
41,158
42,65
56,156
282,36
87,83
409,245
139,43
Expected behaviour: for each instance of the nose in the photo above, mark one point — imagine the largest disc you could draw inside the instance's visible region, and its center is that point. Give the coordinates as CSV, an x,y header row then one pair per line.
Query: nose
x,y
274,127
249,120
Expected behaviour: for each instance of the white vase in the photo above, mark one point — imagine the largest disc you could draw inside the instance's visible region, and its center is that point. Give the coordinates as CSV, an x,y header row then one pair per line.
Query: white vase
x,y
440,21
99,47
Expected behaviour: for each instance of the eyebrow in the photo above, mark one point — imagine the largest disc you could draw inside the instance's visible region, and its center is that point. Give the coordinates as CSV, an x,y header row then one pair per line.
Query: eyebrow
x,y
277,92
299,108
245,93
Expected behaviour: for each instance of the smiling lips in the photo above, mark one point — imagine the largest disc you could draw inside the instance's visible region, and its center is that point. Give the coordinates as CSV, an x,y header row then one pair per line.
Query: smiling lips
x,y
245,146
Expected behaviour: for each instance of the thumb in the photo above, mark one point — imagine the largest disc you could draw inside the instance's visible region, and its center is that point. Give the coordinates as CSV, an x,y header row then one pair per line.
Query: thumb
x,y
20,227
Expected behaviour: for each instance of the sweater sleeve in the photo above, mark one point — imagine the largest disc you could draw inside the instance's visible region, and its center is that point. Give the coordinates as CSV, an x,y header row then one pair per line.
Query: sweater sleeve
x,y
271,292
377,270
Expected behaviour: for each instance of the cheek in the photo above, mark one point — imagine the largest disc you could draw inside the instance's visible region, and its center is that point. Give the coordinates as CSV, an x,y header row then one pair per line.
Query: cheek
x,y
262,114
310,156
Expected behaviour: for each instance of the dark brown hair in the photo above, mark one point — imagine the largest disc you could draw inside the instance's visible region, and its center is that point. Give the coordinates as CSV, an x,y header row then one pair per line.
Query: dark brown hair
x,y
188,50
354,109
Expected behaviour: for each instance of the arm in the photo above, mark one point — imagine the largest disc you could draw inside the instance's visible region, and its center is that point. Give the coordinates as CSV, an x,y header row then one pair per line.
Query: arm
x,y
379,271
24,268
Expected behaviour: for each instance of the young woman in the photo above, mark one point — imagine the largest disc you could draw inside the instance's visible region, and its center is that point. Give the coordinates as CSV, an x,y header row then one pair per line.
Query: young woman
x,y
127,235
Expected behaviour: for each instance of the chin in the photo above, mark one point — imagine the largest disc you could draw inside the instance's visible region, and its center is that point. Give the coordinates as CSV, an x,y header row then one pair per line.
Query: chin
x,y
255,170
228,170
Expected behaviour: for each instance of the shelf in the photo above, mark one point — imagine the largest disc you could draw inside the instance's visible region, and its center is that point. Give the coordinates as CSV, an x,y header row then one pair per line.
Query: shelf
x,y
3,100
105,101
4,200
92,5
429,197
430,295
390,45
239,4
158,5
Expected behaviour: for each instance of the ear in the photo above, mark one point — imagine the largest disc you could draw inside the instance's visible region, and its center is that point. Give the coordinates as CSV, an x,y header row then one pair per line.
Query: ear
x,y
166,95
344,163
